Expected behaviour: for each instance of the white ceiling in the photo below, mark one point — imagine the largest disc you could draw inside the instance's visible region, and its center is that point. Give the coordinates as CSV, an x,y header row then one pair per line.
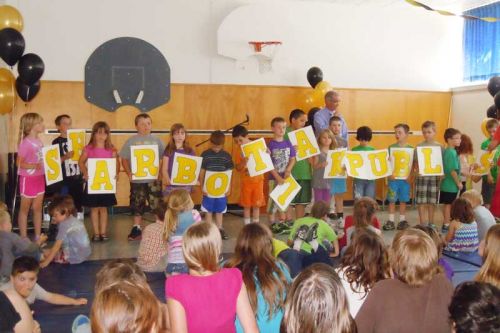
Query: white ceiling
x,y
451,5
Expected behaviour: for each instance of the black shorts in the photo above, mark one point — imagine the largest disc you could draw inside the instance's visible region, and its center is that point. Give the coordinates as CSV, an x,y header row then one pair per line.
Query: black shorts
x,y
447,198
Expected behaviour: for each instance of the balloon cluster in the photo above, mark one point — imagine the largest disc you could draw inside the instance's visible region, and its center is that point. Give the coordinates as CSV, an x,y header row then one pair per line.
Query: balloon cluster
x,y
494,90
29,66
316,97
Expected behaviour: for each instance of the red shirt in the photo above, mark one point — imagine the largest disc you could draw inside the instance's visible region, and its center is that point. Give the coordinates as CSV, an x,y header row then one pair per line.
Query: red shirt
x,y
349,223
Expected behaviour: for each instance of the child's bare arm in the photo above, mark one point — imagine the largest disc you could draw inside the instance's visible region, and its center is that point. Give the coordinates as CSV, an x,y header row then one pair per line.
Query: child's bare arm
x,y
164,172
126,167
289,167
51,254
83,167
451,232
455,177
336,250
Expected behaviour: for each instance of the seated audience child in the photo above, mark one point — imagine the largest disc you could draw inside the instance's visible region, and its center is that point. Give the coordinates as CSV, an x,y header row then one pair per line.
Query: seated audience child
x,y
482,215
15,314
24,281
178,217
475,308
317,302
490,251
292,258
122,307
209,298
152,255
12,245
417,299
265,277
72,244
314,237
364,263
462,235
438,240
363,216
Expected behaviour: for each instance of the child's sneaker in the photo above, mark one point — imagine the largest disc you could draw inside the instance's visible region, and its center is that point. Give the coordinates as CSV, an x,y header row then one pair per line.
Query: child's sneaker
x,y
389,225
333,216
135,233
312,236
402,225
300,237
444,228
276,227
433,226
223,234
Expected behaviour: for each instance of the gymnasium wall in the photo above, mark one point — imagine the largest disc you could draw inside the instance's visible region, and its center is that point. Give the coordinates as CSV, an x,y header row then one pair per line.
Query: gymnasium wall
x,y
210,107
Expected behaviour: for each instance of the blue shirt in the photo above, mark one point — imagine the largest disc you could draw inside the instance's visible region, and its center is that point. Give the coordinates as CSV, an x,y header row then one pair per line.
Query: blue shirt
x,y
322,121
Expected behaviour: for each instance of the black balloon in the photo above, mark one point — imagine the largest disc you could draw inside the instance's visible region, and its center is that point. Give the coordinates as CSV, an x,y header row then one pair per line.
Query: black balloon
x,y
494,85
30,68
11,45
496,99
26,92
314,76
492,112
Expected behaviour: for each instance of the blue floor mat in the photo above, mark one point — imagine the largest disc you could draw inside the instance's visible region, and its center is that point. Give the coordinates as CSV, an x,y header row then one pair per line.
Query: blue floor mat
x,y
472,258
76,281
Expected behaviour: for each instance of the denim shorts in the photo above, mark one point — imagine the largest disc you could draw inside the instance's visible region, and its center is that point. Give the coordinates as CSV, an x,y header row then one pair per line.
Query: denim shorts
x,y
177,268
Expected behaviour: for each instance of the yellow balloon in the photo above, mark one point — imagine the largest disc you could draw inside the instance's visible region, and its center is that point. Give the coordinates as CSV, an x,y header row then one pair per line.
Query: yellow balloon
x,y
320,91
7,97
483,127
10,18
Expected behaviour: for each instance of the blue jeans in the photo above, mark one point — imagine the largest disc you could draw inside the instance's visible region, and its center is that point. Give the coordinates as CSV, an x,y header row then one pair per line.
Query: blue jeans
x,y
363,188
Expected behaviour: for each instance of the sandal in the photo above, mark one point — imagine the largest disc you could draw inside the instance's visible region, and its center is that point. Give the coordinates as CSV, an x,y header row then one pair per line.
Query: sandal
x,y
96,238
104,238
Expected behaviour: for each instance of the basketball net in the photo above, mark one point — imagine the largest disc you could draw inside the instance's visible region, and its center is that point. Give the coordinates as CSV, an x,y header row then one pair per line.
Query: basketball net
x,y
264,52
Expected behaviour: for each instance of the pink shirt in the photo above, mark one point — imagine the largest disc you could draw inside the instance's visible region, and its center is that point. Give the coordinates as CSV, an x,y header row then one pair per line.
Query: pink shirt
x,y
209,301
30,150
94,152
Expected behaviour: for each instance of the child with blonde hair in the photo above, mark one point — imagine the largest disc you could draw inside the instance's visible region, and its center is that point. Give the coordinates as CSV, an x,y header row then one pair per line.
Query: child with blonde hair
x,y
321,186
208,299
490,250
178,217
483,216
99,146
317,302
31,172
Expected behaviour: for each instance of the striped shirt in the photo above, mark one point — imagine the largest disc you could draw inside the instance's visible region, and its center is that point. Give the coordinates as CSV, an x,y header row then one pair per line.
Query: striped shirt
x,y
216,161
466,239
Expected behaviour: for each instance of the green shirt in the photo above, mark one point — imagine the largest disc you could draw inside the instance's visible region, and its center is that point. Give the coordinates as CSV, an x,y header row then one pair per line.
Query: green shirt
x,y
363,148
451,163
396,145
494,168
278,247
324,233
301,169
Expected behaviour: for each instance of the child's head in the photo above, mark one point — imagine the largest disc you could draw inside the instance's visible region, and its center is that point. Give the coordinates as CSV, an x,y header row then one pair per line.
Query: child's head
x,y
401,132
434,235
178,138
366,260
335,125
310,116
253,256
3,206
326,139
62,207
178,201
429,130
491,126
122,308
474,197
143,124
24,275
363,212
117,271
413,257
475,308
217,139
453,137
278,126
461,210
364,134
465,146
63,123
5,221
320,210
202,246
317,302
101,133
490,249
160,210
240,134
298,118
332,100
30,122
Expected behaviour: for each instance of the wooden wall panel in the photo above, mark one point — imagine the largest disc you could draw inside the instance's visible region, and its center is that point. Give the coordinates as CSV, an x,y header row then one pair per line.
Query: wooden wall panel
x,y
208,107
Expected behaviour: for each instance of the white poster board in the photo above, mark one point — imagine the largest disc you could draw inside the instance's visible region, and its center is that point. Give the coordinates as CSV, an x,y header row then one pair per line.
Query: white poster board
x,y
145,162
102,175
283,194
217,183
76,143
259,160
185,169
430,161
52,164
305,142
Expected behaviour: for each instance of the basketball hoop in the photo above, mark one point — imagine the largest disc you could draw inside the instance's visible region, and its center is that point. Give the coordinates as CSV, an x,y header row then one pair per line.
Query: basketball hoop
x,y
265,51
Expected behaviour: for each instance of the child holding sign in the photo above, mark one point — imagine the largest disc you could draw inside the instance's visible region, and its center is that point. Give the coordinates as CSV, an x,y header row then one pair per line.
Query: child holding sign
x,y
31,172
301,170
99,146
363,187
252,188
321,186
215,159
338,186
177,144
451,184
427,186
283,157
399,189
142,191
